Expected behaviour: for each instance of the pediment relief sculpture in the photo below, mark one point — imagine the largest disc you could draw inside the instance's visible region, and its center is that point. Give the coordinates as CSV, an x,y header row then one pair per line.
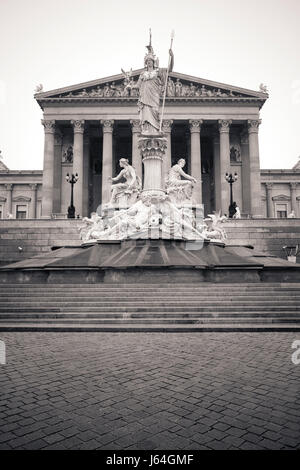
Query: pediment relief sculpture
x,y
127,88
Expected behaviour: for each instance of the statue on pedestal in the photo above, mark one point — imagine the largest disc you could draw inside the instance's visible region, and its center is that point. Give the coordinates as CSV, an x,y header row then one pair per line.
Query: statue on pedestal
x,y
179,189
150,84
131,185
151,212
68,155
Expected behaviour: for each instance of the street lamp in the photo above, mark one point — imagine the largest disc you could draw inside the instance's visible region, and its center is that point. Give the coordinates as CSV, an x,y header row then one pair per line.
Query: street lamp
x,y
72,180
230,178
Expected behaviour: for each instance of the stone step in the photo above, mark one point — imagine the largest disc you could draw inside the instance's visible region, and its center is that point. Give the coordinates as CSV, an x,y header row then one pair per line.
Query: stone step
x,y
149,293
285,319
150,309
253,287
134,307
149,296
182,286
128,304
128,315
152,285
159,327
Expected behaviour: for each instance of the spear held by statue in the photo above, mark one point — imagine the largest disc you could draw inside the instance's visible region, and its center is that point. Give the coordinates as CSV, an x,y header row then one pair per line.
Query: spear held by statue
x,y
169,69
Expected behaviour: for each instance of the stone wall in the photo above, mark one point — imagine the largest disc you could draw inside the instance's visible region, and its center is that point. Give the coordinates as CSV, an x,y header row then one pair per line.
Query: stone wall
x,y
266,235
36,237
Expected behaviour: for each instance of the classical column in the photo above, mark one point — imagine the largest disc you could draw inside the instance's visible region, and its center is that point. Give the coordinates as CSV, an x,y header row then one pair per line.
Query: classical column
x,y
153,153
195,128
136,154
47,198
86,167
56,208
216,153
9,189
167,163
78,127
224,126
246,194
32,207
107,155
255,188
294,204
270,211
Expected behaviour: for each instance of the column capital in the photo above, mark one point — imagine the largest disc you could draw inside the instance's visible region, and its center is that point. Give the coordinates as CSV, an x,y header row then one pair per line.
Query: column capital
x,y
135,125
78,126
167,125
195,125
49,126
33,186
293,185
107,125
269,186
9,186
224,125
253,125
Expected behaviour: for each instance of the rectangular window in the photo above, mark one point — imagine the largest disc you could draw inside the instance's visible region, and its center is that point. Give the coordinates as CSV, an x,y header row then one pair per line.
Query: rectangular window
x,y
281,211
281,214
21,212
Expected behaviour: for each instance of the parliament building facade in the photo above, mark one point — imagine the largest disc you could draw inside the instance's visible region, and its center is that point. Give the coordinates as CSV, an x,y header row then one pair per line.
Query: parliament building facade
x,y
90,126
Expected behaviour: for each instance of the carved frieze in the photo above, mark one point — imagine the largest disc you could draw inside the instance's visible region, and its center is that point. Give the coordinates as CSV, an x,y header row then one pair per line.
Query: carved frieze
x,y
176,88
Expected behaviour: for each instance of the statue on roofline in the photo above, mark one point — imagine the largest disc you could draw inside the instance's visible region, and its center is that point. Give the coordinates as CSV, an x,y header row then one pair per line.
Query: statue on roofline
x,y
263,88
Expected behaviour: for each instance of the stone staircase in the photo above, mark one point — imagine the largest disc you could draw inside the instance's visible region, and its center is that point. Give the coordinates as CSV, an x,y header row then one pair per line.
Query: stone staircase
x,y
150,307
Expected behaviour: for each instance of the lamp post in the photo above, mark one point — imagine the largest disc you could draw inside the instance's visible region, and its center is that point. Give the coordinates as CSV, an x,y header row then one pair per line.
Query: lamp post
x,y
230,178
72,180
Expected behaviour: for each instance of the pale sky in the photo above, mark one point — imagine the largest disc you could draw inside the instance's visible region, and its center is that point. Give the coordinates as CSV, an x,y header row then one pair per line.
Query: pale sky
x,y
64,42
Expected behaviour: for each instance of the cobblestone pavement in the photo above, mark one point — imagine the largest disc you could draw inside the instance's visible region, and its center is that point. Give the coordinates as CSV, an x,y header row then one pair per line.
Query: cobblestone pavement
x,y
149,391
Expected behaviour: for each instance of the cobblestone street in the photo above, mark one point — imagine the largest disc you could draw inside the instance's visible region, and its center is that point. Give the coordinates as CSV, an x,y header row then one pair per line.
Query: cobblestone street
x,y
149,391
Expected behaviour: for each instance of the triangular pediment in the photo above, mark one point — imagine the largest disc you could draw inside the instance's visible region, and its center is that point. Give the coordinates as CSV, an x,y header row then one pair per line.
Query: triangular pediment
x,y
180,87
297,166
3,167
281,197
21,199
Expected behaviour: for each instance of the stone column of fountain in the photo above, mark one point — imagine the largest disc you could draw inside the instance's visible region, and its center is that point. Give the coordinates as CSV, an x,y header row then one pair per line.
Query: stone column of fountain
x,y
152,149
